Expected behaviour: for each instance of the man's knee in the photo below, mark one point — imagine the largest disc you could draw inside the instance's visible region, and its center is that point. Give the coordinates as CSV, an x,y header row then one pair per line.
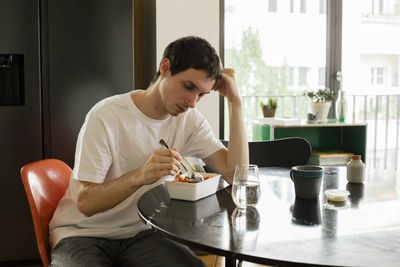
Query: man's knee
x,y
153,249
81,251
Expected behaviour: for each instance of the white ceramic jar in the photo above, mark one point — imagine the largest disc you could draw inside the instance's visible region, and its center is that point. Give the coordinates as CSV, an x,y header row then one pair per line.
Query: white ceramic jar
x,y
355,170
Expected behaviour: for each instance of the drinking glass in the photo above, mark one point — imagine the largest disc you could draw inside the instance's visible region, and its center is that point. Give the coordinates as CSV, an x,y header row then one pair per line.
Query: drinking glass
x,y
246,186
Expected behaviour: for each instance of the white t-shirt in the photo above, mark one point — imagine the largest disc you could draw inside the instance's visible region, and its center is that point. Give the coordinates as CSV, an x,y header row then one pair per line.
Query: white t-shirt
x,y
115,139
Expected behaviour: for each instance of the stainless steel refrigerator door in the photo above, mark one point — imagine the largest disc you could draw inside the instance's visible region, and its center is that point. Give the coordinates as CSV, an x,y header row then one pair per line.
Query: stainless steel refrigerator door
x,y
20,129
89,57
75,54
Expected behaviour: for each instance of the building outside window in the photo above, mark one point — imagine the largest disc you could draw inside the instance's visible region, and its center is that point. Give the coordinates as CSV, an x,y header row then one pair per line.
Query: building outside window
x,y
272,5
372,75
303,6
274,53
284,53
321,76
382,7
322,6
298,6
395,77
303,71
377,76
291,76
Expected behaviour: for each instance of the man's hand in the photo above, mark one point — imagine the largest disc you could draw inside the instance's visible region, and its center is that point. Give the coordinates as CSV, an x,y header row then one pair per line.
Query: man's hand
x,y
161,162
227,87
94,198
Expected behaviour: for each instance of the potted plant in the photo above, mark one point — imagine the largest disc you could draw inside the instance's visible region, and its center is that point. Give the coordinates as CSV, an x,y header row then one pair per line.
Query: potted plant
x,y
269,109
320,102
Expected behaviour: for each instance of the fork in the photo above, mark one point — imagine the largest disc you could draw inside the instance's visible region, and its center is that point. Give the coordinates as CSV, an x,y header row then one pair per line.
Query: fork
x,y
162,142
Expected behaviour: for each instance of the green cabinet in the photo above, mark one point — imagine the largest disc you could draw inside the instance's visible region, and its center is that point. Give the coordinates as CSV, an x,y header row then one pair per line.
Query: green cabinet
x,y
348,137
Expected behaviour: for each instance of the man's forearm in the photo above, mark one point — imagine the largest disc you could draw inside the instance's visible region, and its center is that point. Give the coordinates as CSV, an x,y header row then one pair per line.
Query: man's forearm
x,y
94,198
238,151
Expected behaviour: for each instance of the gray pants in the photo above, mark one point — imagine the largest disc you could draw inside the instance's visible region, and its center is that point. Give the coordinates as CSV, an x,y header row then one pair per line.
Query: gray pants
x,y
147,248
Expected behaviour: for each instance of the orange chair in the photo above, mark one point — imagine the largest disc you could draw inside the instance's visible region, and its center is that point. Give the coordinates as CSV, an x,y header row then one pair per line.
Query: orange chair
x,y
45,182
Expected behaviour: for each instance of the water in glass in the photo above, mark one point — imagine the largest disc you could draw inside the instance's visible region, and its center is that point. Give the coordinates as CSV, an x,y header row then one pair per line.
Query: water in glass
x,y
246,186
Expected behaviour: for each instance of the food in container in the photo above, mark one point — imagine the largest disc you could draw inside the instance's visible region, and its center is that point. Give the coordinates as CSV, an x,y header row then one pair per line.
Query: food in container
x,y
192,191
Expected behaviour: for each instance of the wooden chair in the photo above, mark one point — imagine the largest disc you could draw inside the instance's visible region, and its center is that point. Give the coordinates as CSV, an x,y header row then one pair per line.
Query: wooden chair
x,y
45,183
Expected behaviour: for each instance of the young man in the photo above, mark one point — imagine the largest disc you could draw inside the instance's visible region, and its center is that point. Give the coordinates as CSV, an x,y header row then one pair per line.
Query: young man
x,y
118,158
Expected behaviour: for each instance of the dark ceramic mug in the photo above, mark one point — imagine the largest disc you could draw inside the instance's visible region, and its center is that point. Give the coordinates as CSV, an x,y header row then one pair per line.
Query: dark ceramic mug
x,y
307,180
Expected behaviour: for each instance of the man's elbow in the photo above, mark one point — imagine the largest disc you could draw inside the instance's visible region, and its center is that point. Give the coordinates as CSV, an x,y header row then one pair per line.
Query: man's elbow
x,y
228,176
83,206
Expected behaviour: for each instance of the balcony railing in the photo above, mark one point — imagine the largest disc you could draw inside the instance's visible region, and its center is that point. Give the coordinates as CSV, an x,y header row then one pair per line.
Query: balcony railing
x,y
381,112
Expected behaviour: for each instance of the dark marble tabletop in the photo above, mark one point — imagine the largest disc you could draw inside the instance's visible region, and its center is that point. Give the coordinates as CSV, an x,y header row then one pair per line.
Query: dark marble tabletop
x,y
365,231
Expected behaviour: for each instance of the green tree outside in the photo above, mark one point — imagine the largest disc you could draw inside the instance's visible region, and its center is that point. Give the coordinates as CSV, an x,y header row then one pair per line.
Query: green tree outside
x,y
256,80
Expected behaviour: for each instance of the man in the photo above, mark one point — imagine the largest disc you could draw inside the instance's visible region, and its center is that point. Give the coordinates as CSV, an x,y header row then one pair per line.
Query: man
x,y
118,158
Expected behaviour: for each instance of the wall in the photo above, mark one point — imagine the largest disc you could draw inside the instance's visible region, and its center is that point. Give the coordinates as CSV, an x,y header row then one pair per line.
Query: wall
x,y
178,18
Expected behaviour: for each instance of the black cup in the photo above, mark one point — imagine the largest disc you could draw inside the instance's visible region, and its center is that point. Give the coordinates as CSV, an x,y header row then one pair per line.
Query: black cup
x,y
307,180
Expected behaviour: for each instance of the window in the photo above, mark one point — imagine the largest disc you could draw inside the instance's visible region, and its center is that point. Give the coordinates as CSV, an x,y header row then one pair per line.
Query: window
x,y
299,6
395,81
379,75
373,63
372,75
380,7
303,76
322,6
230,9
376,76
321,76
272,5
376,63
282,54
377,7
303,6
370,67
291,76
274,54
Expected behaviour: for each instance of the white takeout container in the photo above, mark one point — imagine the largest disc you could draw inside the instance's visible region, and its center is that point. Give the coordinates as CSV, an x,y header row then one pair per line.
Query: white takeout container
x,y
192,191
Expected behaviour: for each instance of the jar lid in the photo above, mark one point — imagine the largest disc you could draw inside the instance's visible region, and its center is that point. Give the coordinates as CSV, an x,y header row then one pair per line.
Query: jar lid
x,y
356,157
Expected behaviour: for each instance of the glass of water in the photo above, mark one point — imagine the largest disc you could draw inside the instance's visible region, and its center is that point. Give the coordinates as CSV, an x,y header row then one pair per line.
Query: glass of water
x,y
246,186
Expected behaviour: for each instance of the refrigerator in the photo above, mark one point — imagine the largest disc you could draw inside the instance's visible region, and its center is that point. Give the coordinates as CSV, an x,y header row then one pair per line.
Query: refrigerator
x,y
57,59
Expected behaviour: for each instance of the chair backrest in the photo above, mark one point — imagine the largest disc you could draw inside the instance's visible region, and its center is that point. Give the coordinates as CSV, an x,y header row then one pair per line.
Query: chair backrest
x,y
45,183
285,152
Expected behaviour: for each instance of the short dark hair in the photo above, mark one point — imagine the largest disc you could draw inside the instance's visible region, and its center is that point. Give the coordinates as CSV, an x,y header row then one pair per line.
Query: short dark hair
x,y
191,52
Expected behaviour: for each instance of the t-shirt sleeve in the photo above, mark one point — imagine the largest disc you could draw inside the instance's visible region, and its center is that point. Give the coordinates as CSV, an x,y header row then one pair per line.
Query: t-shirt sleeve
x,y
93,155
202,142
